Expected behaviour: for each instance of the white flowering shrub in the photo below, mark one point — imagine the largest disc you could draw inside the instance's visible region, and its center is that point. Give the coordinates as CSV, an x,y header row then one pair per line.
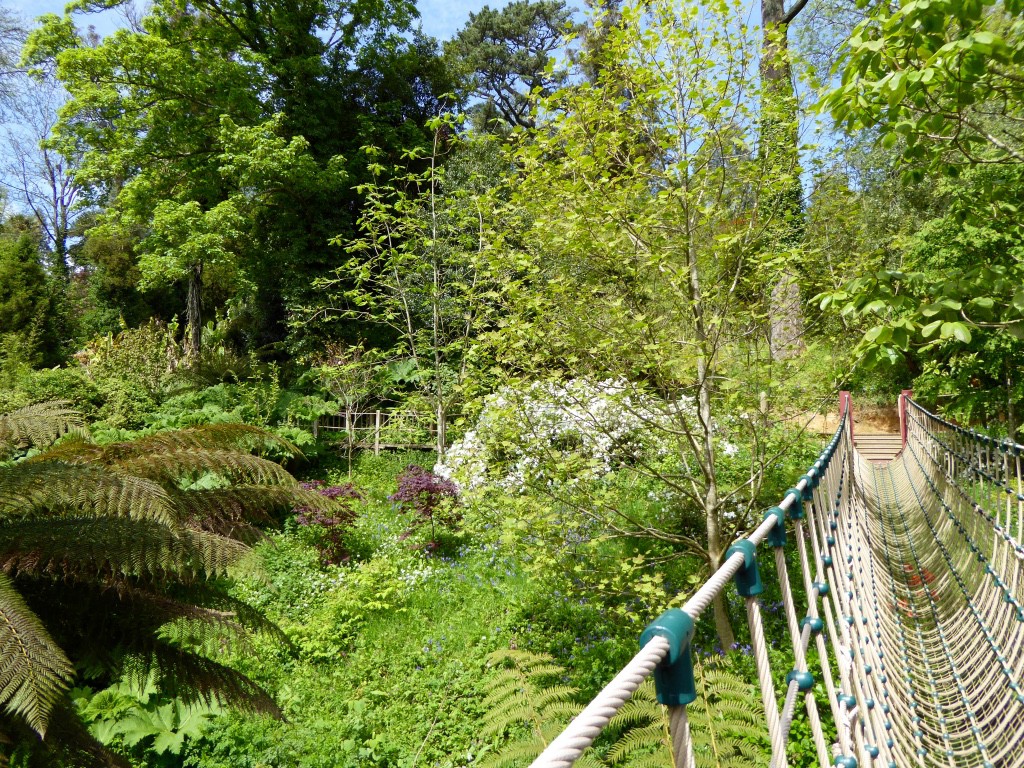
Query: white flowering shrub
x,y
561,433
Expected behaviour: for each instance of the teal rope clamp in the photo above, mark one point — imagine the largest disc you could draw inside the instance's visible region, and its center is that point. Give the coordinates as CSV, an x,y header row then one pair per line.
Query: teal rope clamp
x,y
812,482
796,511
748,577
673,678
777,535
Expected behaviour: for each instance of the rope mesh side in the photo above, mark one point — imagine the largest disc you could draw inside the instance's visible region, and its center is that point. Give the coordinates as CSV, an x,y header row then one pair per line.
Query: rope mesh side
x,y
913,576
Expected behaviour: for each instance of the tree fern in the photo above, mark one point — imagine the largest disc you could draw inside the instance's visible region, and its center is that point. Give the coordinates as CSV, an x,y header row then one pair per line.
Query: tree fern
x,y
40,424
726,724
106,560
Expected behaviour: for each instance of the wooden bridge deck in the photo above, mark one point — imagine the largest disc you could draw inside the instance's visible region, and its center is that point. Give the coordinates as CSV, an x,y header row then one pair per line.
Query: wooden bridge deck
x,y
878,448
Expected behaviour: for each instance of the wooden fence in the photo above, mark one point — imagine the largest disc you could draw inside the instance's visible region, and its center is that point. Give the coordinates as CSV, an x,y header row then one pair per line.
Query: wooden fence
x,y
378,430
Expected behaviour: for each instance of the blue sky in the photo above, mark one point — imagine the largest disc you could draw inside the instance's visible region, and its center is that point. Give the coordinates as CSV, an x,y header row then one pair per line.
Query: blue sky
x,y
441,18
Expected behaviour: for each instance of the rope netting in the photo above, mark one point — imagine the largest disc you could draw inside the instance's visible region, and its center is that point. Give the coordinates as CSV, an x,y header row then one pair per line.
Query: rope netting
x,y
912,572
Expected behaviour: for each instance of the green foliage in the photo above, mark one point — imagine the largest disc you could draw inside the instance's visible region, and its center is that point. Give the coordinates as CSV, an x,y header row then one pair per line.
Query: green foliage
x,y
87,531
27,303
223,143
518,700
939,80
726,724
414,268
955,303
140,720
506,55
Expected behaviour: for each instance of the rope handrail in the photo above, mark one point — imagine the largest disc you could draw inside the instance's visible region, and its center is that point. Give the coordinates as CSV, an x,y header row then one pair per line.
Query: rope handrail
x,y
1004,444
662,644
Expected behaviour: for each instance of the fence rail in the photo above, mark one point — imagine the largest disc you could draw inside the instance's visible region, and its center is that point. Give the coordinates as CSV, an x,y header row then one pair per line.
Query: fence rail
x,y
379,429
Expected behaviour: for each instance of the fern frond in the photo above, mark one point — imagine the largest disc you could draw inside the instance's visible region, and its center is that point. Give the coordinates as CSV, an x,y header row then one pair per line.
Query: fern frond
x,y
241,438
48,488
517,754
657,760
38,425
522,660
34,672
588,760
511,714
232,466
235,511
555,695
646,738
73,547
563,711
197,679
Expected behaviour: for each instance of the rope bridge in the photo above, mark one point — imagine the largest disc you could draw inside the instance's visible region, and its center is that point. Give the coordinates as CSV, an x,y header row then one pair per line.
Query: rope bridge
x,y
913,578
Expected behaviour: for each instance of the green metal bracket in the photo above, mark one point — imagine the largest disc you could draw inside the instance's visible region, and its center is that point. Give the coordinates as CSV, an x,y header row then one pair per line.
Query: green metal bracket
x,y
748,578
796,511
777,535
673,678
807,494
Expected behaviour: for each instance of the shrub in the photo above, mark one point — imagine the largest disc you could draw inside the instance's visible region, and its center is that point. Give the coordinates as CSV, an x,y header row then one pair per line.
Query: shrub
x,y
328,528
558,433
430,498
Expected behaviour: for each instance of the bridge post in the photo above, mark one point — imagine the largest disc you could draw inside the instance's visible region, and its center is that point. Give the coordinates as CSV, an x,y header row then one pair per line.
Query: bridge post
x,y
905,395
845,402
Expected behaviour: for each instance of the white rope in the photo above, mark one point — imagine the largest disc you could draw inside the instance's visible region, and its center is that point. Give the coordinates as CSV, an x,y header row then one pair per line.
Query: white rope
x,y
588,724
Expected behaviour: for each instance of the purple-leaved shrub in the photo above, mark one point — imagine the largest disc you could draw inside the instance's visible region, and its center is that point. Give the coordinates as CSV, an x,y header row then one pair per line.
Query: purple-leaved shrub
x,y
431,498
328,528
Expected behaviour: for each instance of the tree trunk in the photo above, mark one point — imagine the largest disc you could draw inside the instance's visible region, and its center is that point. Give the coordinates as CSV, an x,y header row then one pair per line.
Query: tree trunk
x,y
1011,410
194,312
705,363
783,202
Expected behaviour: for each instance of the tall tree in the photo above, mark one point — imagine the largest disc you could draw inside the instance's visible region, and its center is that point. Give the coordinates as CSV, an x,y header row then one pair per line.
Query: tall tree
x,y
27,328
640,196
12,34
505,56
41,178
942,86
323,76
779,148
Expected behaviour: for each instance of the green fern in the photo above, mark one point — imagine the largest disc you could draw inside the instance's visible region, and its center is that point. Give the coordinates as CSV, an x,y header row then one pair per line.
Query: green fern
x,y
726,724
41,424
107,555
519,704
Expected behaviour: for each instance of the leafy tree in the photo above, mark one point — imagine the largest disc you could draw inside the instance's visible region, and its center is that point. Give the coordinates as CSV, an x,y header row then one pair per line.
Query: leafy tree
x,y
415,268
224,136
506,53
110,557
641,203
940,86
27,322
954,300
940,80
